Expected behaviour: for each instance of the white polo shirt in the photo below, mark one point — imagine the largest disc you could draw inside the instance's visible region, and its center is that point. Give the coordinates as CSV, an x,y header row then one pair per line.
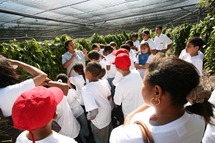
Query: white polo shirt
x,y
162,41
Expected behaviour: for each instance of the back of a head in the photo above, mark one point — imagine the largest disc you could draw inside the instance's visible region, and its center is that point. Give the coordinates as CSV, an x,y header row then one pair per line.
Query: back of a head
x,y
94,46
126,46
196,41
8,74
35,108
94,68
113,44
174,76
130,43
108,48
62,77
93,55
78,68
180,78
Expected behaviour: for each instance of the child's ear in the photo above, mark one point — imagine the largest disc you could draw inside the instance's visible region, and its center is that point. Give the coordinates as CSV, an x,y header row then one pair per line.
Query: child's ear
x,y
55,116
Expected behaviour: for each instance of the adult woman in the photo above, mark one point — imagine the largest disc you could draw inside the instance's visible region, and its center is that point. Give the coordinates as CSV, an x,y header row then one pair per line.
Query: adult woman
x,y
11,84
72,56
168,85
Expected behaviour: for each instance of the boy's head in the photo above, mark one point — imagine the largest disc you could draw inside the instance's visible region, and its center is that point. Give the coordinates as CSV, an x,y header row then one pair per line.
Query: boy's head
x,y
145,34
96,47
93,55
122,61
126,46
93,70
35,108
62,77
193,45
108,49
134,37
158,30
130,44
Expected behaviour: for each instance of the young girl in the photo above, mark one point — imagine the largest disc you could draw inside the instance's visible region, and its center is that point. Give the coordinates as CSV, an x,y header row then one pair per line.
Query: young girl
x,y
79,80
76,108
142,58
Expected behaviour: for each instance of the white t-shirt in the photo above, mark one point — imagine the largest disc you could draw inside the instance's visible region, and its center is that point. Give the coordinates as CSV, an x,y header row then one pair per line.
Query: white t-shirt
x,y
150,42
53,138
128,92
136,43
209,136
162,42
197,60
133,59
103,64
79,58
75,106
187,129
95,97
69,125
78,81
109,60
9,94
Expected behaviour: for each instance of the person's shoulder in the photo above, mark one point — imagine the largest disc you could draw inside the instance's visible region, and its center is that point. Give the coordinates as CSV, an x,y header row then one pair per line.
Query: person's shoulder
x,y
66,54
126,134
63,139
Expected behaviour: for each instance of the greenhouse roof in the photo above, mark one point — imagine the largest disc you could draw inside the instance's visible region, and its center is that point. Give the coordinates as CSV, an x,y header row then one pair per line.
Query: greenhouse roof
x,y
45,19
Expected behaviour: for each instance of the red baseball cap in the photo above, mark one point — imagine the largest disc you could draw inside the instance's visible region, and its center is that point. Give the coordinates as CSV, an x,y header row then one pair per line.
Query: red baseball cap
x,y
122,61
35,108
119,51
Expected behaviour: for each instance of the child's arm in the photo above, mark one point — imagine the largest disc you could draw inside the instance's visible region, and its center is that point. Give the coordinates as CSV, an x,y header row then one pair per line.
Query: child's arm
x,y
92,114
63,86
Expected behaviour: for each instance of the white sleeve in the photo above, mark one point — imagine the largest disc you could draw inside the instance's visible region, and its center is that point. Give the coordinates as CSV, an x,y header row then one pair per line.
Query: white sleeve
x,y
167,41
64,59
89,101
150,59
10,93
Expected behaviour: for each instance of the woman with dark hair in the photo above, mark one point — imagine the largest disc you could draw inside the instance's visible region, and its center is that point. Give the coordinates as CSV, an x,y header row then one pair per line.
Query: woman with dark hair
x,y
12,85
168,85
72,56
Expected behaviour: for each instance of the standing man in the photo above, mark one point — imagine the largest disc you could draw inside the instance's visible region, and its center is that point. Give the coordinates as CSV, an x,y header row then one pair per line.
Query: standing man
x,y
162,42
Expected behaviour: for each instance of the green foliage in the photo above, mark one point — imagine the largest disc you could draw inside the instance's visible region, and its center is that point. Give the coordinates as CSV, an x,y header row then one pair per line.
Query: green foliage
x,y
210,54
46,55
179,35
96,38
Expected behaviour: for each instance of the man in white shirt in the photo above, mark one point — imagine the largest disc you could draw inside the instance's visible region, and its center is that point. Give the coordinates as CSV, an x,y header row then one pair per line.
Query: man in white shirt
x,y
162,42
146,38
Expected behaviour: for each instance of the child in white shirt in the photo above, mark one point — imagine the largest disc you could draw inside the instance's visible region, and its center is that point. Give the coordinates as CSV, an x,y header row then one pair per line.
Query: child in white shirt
x,y
95,95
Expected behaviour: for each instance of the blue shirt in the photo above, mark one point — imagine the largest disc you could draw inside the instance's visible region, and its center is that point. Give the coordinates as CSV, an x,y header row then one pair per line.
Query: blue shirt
x,y
142,58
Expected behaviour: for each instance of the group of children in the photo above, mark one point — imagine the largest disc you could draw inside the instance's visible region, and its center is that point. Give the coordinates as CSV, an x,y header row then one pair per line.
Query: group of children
x,y
103,91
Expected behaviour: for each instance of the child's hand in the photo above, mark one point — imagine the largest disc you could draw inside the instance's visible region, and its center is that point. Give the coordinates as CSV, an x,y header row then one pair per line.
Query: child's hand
x,y
84,51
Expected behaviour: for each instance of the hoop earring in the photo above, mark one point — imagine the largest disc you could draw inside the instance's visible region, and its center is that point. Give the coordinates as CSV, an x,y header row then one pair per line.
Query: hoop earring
x,y
155,100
